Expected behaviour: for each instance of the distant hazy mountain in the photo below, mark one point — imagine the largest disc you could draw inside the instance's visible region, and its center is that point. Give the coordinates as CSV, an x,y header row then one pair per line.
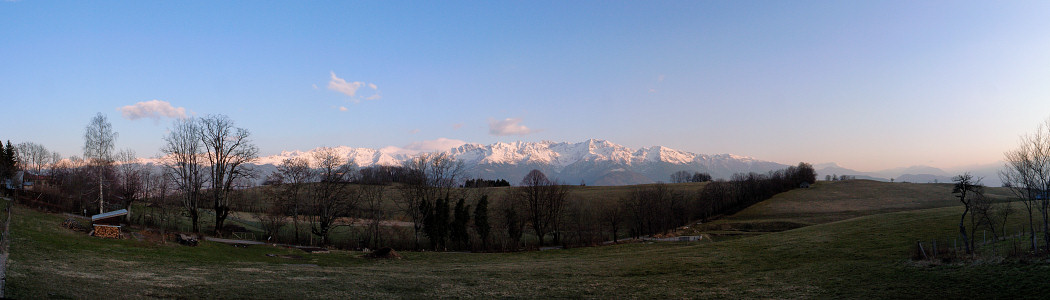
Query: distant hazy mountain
x,y
594,162
917,174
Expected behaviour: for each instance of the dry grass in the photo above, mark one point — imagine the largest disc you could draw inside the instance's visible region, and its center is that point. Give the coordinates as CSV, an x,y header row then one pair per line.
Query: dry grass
x,y
865,257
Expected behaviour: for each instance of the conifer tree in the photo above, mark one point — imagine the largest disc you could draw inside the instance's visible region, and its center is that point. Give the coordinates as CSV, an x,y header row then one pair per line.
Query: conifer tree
x,y
458,229
481,220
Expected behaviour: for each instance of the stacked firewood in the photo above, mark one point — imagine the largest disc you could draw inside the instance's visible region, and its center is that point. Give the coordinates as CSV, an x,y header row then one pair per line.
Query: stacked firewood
x,y
109,232
72,224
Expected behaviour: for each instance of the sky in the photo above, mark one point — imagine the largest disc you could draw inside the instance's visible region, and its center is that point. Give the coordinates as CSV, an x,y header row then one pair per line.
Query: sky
x,y
869,85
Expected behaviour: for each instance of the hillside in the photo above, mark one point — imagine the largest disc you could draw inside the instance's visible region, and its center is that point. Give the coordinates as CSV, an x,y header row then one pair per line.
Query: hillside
x,y
865,257
829,201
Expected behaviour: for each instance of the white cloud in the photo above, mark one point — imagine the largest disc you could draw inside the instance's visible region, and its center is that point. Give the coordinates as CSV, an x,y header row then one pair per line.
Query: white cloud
x,y
154,109
509,126
413,131
350,88
440,144
342,108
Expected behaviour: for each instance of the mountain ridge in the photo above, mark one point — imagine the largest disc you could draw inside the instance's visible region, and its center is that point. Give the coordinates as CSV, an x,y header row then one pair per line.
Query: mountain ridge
x,y
588,162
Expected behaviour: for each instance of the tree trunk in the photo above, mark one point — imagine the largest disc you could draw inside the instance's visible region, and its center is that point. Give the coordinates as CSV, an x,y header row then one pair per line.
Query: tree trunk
x,y
962,230
1031,227
193,218
1046,226
220,218
101,200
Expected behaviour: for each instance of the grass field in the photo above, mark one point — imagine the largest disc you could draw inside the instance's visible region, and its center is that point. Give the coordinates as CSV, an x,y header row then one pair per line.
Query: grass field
x,y
856,257
826,202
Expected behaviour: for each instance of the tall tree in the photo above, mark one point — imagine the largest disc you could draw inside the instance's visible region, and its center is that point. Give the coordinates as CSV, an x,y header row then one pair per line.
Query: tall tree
x,y
458,227
129,178
8,161
543,200
291,177
99,142
430,176
228,151
33,157
332,197
372,195
481,220
1027,173
967,190
183,159
681,177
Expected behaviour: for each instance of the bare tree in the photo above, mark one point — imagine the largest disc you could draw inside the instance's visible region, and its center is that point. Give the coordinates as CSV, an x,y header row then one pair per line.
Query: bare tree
x,y
613,215
53,163
1027,173
543,201
291,177
228,150
273,217
98,149
967,190
129,178
33,157
332,197
372,195
984,211
183,159
681,177
512,221
430,176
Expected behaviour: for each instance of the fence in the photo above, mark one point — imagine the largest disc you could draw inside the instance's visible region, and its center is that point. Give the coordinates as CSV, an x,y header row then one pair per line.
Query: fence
x,y
985,244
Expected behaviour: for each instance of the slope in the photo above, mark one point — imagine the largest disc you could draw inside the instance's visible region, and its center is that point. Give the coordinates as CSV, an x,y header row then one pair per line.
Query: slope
x,y
864,257
829,201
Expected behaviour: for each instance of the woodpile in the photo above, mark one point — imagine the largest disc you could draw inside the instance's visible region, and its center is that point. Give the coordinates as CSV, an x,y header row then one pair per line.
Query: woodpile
x,y
107,231
72,224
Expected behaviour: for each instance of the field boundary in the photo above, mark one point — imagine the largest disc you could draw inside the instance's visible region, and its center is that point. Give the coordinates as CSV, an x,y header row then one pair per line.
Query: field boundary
x,y
5,248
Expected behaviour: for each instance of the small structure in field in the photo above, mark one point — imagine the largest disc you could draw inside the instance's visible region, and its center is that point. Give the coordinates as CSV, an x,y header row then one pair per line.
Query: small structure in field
x,y
107,225
384,253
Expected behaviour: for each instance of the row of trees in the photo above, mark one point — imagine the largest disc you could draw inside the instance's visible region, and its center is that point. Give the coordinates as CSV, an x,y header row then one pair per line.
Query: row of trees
x,y
1027,174
686,176
208,154
836,177
205,164
743,190
483,183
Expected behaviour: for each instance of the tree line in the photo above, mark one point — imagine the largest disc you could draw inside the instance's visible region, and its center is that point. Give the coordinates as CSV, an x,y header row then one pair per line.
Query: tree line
x,y
425,203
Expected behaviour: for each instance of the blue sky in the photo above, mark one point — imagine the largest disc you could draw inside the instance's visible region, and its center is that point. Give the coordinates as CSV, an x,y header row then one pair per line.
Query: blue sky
x,y
869,85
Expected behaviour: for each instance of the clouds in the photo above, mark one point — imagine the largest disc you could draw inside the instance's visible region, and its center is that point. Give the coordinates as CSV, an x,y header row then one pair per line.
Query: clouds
x,y
509,126
351,88
153,109
438,145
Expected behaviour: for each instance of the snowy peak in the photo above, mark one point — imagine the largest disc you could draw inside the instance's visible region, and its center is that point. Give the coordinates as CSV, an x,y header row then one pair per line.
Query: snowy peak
x,y
363,157
594,161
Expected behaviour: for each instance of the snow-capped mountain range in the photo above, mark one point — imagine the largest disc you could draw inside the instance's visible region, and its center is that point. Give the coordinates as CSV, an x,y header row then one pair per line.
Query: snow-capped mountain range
x,y
594,162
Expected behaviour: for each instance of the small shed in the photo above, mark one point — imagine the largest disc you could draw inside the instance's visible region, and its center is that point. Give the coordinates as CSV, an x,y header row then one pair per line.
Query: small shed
x,y
107,225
